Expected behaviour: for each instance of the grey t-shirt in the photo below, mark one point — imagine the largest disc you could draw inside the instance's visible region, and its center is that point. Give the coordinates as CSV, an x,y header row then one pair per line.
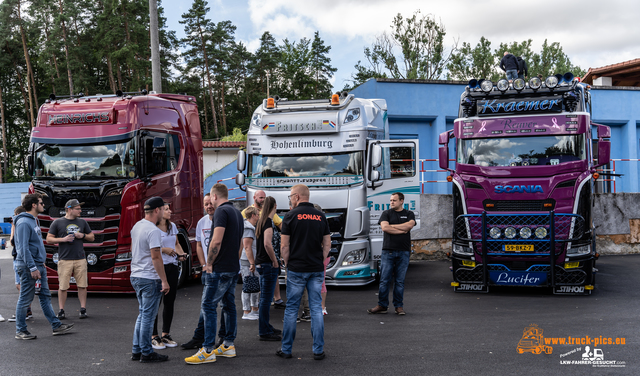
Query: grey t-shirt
x,y
144,237
62,227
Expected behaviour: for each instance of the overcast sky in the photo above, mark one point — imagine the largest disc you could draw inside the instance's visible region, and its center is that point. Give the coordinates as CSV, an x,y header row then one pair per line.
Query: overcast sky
x,y
592,33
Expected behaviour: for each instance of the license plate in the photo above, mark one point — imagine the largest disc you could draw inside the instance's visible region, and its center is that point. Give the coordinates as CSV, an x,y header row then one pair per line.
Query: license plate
x,y
518,247
72,280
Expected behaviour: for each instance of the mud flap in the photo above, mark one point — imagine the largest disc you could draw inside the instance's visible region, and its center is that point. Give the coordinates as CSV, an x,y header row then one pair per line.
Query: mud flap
x,y
471,287
571,290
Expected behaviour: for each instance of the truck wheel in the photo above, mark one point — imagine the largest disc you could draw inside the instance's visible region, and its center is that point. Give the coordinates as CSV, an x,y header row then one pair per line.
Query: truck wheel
x,y
183,272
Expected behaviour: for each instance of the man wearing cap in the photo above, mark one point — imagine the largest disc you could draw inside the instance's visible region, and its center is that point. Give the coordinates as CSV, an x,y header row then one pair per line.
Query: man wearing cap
x,y
70,232
147,278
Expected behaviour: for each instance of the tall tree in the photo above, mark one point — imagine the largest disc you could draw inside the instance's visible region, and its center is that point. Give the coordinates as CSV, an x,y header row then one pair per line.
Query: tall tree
x,y
198,31
420,39
321,67
476,62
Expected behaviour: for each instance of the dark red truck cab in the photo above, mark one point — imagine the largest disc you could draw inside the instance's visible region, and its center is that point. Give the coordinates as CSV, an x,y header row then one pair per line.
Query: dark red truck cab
x,y
113,152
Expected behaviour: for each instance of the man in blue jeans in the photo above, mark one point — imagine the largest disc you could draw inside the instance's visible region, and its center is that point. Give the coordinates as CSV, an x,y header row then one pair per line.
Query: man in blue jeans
x,y
29,262
396,223
305,244
223,265
147,278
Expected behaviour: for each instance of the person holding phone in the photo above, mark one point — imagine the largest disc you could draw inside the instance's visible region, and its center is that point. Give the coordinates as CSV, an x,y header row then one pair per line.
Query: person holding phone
x,y
172,253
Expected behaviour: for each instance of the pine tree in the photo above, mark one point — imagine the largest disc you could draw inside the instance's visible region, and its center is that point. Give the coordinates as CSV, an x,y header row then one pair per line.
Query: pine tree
x,y
320,65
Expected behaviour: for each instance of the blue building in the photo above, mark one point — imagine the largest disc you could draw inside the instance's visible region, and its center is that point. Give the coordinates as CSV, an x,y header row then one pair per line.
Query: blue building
x,y
423,109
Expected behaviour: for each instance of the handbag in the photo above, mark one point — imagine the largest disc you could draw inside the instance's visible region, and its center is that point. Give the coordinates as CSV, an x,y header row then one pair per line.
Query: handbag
x,y
250,284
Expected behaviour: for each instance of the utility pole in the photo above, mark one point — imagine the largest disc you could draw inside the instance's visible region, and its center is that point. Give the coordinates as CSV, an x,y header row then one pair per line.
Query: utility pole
x,y
155,46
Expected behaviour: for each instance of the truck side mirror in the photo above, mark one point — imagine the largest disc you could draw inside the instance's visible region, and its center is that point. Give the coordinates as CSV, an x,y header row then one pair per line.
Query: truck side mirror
x,y
375,175
604,131
376,156
443,157
443,138
242,160
604,152
30,166
240,180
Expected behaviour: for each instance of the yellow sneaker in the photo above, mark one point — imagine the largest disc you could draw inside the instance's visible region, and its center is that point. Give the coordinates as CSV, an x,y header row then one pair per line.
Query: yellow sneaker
x,y
228,352
201,357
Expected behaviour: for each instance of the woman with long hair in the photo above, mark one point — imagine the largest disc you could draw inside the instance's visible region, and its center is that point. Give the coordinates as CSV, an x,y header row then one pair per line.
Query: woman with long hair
x,y
172,253
267,265
250,291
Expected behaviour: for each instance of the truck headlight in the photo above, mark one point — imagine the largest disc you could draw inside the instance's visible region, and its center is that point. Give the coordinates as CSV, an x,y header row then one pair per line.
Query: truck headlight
x,y
354,257
462,250
256,119
510,233
525,233
583,250
494,232
486,86
541,232
92,259
503,84
352,115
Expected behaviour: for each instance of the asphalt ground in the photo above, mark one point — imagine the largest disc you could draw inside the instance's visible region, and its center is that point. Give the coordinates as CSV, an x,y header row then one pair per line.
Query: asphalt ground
x,y
443,333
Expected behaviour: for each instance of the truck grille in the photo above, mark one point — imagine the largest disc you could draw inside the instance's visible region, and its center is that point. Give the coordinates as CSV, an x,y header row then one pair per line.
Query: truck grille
x,y
519,205
100,266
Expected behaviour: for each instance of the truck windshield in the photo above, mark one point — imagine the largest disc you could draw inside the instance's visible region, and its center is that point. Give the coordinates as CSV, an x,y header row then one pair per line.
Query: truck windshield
x,y
521,151
75,162
307,165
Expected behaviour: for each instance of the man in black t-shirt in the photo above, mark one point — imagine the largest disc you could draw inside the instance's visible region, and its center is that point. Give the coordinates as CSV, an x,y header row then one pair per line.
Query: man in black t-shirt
x,y
70,232
396,222
223,265
305,244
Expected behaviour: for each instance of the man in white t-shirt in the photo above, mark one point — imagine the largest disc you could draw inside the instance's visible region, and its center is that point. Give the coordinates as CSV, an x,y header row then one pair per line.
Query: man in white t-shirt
x,y
147,278
203,236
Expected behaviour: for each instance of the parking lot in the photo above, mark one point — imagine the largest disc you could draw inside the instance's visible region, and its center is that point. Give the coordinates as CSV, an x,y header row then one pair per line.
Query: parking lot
x,y
443,333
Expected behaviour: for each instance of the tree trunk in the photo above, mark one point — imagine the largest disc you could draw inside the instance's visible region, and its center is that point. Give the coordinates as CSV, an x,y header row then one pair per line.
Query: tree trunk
x,y
23,92
4,139
119,75
112,83
224,113
55,59
31,91
204,105
66,50
206,64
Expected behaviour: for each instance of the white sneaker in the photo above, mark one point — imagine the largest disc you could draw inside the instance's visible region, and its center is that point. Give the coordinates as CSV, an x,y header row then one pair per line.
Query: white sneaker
x,y
324,311
1,318
255,315
247,316
12,319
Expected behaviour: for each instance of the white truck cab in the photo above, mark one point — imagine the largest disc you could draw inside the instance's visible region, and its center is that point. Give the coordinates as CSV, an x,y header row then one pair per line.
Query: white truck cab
x,y
340,149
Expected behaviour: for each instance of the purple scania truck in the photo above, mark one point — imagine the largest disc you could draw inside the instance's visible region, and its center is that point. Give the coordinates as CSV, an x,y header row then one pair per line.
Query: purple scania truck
x,y
523,185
